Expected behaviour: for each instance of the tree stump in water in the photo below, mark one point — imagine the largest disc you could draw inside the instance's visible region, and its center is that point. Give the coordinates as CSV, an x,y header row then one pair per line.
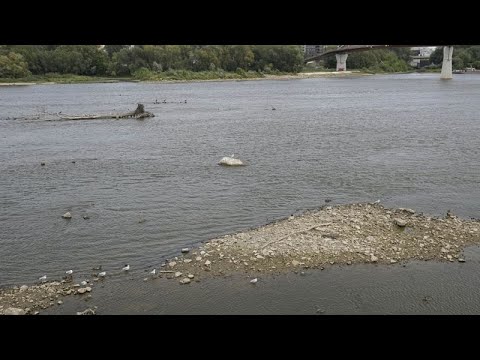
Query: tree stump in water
x,y
139,110
139,113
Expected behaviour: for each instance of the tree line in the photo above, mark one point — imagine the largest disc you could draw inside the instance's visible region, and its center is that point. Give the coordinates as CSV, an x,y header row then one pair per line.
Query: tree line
x,y
198,61
463,56
127,60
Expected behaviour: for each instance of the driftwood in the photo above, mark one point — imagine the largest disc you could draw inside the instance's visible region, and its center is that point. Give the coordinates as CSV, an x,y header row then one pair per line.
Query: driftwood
x,y
139,113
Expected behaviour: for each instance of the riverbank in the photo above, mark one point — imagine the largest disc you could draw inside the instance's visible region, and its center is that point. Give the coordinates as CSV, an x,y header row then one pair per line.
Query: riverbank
x,y
343,234
29,300
65,79
62,79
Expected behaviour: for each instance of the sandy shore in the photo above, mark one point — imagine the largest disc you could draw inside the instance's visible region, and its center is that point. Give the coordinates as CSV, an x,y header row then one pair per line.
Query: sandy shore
x,y
18,84
266,77
270,77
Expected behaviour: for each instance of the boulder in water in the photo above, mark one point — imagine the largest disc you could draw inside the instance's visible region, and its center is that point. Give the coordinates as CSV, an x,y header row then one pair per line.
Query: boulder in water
x,y
230,161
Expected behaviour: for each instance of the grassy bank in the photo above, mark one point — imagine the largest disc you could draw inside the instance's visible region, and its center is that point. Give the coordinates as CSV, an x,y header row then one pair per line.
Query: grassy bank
x,y
63,79
141,75
185,75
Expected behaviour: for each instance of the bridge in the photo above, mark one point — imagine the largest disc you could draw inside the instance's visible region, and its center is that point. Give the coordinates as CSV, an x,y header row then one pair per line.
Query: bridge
x,y
342,51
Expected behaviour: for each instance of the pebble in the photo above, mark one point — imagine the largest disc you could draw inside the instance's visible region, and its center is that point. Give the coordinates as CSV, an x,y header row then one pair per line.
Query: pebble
x,y
14,311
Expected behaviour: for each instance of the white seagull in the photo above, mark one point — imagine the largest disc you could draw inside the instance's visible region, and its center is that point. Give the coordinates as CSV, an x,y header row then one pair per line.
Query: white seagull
x,y
254,281
43,278
153,271
126,267
69,272
102,274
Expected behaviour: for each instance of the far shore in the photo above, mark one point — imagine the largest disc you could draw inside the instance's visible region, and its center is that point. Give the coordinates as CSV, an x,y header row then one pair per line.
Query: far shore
x,y
90,80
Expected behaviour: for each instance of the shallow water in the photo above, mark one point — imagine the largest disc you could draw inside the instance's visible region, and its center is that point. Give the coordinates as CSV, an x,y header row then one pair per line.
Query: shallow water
x,y
418,288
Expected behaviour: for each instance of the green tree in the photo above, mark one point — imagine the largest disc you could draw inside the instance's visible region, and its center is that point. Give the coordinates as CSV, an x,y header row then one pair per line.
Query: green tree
x,y
208,58
13,65
403,53
112,49
80,60
437,56
287,58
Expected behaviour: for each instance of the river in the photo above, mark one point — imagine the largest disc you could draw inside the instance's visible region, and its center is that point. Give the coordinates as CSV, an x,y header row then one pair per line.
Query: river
x,y
151,187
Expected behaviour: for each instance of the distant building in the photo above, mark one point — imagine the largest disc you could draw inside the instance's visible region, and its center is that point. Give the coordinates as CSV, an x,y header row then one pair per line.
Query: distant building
x,y
420,56
422,51
312,50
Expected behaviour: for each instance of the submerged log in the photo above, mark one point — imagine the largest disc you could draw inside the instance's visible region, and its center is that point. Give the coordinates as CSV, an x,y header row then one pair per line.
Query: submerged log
x,y
139,113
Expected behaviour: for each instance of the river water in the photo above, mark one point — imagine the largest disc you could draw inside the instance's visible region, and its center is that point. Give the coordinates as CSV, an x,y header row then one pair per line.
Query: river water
x,y
153,186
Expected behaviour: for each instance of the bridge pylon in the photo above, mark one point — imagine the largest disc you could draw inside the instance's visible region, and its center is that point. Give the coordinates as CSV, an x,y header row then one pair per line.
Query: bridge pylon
x,y
341,61
447,63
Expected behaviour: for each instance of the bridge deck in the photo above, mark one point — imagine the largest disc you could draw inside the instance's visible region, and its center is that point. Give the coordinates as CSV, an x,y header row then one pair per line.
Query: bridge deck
x,y
352,48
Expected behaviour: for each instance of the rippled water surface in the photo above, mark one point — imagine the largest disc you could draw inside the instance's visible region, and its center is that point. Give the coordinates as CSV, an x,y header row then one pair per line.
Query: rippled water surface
x,y
151,187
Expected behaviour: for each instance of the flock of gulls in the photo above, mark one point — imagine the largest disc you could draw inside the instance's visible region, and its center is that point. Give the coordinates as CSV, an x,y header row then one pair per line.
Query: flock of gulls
x,y
103,274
